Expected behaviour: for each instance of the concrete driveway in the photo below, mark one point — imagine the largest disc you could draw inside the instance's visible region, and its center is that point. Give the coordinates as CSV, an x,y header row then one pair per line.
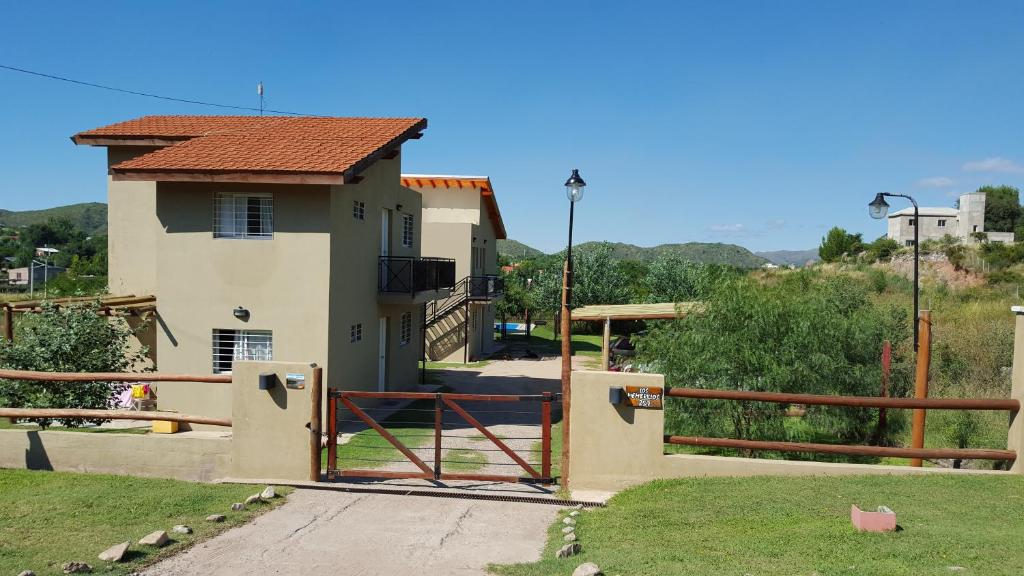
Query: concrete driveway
x,y
329,532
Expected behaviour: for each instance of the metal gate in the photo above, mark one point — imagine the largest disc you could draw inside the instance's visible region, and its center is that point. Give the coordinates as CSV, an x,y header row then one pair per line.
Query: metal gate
x,y
434,434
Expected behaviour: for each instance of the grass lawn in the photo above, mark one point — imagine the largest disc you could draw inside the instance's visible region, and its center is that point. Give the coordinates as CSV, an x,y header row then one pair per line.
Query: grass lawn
x,y
49,518
542,339
950,524
454,365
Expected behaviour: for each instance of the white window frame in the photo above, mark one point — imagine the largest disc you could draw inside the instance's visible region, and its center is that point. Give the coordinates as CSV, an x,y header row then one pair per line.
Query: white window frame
x,y
942,222
356,333
408,230
912,222
233,217
358,210
406,328
228,345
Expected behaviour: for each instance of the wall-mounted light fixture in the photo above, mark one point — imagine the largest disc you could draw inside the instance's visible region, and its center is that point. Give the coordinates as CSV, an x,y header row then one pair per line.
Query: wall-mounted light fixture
x,y
241,313
398,207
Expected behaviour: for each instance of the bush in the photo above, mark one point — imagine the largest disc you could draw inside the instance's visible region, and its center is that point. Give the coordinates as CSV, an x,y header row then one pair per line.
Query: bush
x,y
67,339
806,334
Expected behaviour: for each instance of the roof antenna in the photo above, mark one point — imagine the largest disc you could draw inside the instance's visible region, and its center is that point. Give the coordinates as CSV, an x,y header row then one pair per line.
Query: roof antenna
x,y
259,92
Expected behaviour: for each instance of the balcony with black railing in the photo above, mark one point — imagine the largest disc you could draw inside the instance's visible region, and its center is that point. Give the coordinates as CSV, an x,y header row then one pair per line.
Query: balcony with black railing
x,y
488,287
405,278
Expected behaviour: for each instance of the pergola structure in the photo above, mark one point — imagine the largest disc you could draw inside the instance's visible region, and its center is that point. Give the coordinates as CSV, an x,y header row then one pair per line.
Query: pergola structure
x,y
130,305
608,312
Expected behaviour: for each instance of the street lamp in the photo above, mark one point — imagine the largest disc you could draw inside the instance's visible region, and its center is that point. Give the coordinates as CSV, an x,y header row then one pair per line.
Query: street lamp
x,y
877,209
574,192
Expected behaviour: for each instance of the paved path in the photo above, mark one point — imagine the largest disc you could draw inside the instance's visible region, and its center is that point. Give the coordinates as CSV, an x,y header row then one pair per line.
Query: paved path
x,y
327,532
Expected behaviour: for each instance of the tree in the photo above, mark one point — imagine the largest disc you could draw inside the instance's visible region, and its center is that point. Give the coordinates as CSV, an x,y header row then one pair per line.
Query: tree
x,y
802,333
67,339
598,279
838,243
1002,208
670,278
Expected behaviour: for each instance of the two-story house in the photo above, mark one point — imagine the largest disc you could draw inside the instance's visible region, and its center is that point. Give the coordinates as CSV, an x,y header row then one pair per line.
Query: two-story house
x,y
461,221
962,222
283,238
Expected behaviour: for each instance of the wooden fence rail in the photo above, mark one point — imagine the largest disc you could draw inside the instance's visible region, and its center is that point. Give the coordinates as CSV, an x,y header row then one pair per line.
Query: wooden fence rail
x,y
881,451
1007,404
53,413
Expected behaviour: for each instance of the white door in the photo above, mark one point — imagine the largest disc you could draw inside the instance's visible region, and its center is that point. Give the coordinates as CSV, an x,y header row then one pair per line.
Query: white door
x,y
382,355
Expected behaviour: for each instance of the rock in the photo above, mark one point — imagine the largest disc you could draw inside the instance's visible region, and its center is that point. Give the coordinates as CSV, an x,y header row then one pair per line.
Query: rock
x,y
115,552
158,538
26,573
252,499
568,550
570,537
268,493
76,568
587,569
578,507
238,506
181,529
574,513
215,518
568,522
568,529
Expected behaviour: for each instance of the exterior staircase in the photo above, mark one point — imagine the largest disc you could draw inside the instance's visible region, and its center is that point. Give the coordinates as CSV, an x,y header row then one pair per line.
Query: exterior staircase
x,y
447,319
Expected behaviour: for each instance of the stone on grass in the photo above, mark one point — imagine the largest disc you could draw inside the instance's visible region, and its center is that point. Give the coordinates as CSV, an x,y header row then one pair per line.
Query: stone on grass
x,y
578,507
252,499
568,522
76,568
268,493
574,513
568,529
587,569
181,529
115,552
570,537
158,538
215,518
238,506
568,550
26,573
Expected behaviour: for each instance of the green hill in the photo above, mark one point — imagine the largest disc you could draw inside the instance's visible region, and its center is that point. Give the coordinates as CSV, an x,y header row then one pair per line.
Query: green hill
x,y
791,257
704,252
516,250
89,217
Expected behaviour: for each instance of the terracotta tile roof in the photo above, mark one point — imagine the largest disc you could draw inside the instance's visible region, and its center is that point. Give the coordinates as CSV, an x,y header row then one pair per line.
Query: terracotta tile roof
x,y
483,183
254,144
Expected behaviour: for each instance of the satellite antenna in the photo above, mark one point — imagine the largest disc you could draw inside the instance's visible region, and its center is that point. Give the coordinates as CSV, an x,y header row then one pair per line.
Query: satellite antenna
x,y
259,92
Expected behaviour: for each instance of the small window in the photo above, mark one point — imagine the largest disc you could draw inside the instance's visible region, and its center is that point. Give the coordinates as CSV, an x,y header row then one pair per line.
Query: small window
x,y
942,223
358,210
407,230
909,243
975,228
247,216
356,333
231,345
911,221
406,328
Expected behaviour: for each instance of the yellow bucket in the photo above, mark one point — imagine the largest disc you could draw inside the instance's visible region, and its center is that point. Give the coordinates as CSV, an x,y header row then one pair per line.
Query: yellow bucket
x,y
164,427
138,391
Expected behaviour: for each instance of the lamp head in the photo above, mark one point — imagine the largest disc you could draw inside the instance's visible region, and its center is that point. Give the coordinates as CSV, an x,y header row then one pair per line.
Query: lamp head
x,y
574,186
878,207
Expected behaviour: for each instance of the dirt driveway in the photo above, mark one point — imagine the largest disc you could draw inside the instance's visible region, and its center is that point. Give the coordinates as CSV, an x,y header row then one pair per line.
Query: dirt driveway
x,y
333,532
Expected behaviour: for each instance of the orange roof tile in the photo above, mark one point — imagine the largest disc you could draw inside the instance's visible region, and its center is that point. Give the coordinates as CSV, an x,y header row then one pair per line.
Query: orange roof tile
x,y
253,145
481,182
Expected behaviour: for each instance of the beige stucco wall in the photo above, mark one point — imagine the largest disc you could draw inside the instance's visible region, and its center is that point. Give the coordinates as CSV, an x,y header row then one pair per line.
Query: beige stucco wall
x,y
195,456
132,232
613,447
1015,437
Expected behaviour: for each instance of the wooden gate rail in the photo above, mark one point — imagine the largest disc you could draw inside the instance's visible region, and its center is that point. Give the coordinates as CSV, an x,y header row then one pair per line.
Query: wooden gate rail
x,y
1008,404
440,401
954,453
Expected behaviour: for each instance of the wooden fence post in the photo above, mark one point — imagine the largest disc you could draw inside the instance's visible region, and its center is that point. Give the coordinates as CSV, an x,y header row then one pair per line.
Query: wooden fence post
x,y
924,352
9,322
1015,440
316,409
606,344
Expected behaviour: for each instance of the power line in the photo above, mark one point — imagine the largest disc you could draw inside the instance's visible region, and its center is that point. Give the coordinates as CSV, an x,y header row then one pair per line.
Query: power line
x,y
147,94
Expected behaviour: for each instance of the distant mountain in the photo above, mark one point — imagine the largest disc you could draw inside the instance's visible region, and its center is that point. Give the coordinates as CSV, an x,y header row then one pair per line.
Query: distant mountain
x,y
516,250
707,253
794,257
89,217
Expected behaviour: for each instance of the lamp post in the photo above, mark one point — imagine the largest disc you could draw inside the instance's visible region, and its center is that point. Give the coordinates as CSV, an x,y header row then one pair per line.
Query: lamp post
x,y
574,191
878,208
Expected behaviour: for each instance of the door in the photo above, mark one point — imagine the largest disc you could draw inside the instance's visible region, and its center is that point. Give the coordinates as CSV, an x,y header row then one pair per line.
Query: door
x,y
382,355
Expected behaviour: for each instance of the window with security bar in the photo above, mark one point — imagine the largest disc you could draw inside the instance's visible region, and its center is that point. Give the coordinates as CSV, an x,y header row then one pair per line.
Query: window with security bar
x,y
231,345
246,216
406,331
407,230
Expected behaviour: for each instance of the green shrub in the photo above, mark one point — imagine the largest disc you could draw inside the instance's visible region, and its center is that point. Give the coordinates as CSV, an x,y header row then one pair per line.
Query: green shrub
x,y
67,339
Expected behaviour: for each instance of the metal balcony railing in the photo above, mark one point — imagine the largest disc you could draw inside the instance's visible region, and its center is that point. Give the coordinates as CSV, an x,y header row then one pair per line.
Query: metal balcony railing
x,y
409,275
485,287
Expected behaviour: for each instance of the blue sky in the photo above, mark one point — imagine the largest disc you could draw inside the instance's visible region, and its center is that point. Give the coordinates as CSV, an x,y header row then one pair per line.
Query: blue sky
x,y
759,123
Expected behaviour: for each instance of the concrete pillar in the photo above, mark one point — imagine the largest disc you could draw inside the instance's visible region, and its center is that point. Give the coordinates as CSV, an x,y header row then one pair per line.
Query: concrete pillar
x,y
269,428
1015,440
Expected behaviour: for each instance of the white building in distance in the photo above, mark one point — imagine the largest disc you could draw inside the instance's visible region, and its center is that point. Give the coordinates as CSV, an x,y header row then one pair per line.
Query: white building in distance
x,y
938,222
